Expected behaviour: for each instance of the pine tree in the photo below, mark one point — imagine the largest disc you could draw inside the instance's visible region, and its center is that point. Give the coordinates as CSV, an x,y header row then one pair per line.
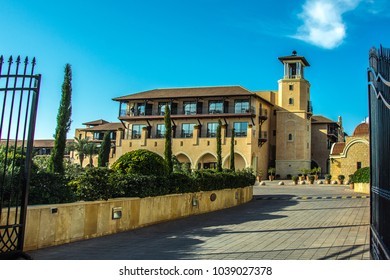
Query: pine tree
x,y
232,167
219,147
168,139
63,123
104,151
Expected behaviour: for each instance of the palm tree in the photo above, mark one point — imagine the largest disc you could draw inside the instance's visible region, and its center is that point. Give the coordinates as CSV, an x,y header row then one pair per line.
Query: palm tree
x,y
91,149
79,146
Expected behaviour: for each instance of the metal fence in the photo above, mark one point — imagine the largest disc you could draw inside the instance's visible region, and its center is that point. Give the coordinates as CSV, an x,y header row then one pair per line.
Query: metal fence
x,y
379,107
19,89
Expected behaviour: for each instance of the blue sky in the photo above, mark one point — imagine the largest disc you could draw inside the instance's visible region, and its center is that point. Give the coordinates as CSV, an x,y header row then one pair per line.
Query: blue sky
x,y
122,47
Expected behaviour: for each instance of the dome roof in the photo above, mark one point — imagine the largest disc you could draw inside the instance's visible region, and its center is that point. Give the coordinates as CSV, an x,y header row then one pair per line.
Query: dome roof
x,y
361,129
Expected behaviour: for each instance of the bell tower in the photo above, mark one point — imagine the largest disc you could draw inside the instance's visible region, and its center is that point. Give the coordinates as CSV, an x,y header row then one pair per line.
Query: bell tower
x,y
293,124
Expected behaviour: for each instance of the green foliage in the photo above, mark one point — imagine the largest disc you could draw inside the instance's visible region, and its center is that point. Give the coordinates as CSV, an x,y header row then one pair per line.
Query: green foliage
x,y
362,175
168,139
328,177
341,177
142,162
295,178
219,146
271,171
80,146
94,184
91,149
49,188
104,151
63,123
232,167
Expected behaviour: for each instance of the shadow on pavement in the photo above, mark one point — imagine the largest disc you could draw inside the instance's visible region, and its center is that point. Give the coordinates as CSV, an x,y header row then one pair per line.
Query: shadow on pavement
x,y
177,239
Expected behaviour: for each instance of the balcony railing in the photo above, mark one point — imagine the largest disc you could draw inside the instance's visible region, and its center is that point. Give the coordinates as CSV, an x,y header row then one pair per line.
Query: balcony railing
x,y
181,111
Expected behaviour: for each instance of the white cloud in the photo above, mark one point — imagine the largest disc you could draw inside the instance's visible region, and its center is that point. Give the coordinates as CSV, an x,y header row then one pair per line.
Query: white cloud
x,y
323,24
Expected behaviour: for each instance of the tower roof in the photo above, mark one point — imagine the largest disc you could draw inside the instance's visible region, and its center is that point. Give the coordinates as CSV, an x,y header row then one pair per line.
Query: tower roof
x,y
294,57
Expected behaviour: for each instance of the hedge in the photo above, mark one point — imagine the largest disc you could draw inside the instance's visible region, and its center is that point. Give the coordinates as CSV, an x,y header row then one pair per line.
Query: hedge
x,y
362,175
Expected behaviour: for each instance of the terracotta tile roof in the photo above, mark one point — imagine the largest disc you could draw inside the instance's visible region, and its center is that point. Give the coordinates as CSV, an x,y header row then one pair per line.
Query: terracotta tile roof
x,y
187,92
361,130
320,119
338,148
38,143
105,127
97,122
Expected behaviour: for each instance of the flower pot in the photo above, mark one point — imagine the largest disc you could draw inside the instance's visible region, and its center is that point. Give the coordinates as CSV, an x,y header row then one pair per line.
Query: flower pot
x,y
271,177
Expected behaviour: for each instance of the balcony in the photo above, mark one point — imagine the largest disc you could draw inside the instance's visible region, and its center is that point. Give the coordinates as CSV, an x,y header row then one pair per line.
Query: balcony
x,y
263,137
180,113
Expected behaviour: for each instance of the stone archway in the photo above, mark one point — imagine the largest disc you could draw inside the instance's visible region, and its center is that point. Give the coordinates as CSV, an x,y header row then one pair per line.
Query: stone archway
x,y
239,162
207,161
184,159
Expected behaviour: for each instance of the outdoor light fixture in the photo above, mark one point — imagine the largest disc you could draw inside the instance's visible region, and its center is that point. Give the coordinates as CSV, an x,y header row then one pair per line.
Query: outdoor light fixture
x,y
116,213
194,201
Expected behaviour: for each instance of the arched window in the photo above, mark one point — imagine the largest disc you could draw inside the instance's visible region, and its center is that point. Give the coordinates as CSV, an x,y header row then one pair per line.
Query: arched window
x,y
291,101
290,137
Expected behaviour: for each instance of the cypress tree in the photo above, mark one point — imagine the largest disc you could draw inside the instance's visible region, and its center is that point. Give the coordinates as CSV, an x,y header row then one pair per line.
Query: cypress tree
x,y
232,167
168,139
63,123
104,151
219,147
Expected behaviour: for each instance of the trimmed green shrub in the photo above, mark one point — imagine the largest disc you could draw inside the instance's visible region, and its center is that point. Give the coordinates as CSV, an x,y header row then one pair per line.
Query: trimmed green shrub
x,y
49,188
94,184
142,162
362,175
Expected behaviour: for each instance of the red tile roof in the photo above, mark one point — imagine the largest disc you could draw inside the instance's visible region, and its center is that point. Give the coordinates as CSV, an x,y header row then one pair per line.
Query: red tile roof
x,y
188,92
338,148
362,130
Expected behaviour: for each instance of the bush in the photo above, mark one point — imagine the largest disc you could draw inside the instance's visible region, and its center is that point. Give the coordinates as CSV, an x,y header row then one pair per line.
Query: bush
x,y
362,175
94,184
49,188
142,162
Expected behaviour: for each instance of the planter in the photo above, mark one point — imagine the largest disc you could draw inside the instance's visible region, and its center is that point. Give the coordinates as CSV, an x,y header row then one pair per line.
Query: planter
x,y
327,182
340,182
351,186
271,177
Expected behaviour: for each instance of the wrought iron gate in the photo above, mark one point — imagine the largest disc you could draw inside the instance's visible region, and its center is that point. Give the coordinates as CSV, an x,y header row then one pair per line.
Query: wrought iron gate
x,y
19,91
379,105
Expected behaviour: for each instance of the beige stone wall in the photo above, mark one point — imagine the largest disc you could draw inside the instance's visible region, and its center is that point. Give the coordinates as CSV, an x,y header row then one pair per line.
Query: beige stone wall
x,y
356,150
202,149
319,150
362,188
84,220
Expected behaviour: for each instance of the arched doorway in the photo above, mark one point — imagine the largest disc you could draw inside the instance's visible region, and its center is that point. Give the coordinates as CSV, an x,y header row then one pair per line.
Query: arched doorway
x,y
207,161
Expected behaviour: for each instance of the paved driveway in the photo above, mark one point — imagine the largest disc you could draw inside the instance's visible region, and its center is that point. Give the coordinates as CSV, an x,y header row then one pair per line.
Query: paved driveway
x,y
281,222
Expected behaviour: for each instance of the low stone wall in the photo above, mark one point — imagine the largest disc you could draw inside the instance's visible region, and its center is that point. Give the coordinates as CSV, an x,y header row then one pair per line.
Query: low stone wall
x,y
49,225
362,187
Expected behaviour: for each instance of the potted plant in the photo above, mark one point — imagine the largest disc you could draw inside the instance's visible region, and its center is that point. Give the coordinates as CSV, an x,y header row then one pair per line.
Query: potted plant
x,y
295,179
328,177
311,178
341,179
271,172
300,176
259,175
315,171
350,181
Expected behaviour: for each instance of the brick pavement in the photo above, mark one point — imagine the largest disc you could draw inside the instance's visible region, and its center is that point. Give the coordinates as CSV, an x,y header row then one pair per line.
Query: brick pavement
x,y
280,223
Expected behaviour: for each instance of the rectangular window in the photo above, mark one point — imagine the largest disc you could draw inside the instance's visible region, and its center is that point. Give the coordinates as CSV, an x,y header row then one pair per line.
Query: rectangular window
x,y
291,87
359,165
240,129
160,132
241,106
212,129
215,107
140,109
137,130
161,107
187,130
189,108
98,135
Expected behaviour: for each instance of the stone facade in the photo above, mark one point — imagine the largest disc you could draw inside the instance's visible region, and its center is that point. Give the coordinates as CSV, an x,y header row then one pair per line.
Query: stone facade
x,y
347,157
